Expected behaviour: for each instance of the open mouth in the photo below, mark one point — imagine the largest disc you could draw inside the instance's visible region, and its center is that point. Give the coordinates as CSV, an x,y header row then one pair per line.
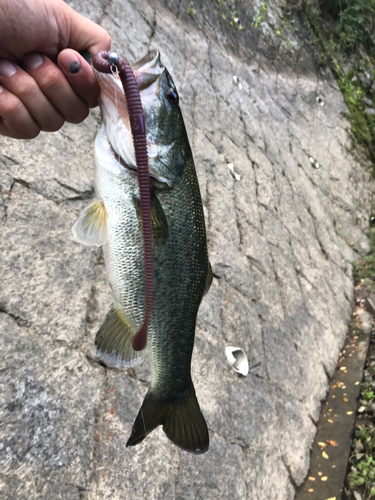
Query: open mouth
x,y
147,70
147,73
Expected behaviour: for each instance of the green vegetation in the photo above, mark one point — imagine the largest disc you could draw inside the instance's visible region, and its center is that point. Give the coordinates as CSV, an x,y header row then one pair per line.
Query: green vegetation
x,y
260,17
191,9
361,477
364,269
362,472
230,12
345,30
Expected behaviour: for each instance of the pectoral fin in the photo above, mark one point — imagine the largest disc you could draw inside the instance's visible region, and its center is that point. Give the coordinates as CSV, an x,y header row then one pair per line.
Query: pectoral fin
x,y
115,338
91,226
159,223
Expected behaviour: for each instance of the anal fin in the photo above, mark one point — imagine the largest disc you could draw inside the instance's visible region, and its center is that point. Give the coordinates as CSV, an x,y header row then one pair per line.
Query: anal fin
x,y
114,340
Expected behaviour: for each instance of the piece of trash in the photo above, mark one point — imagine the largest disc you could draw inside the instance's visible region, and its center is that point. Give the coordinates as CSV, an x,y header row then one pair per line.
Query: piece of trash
x,y
235,175
313,162
236,81
237,359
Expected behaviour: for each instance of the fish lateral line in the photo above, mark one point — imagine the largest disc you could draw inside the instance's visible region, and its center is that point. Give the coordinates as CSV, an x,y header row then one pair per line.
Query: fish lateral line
x,y
110,62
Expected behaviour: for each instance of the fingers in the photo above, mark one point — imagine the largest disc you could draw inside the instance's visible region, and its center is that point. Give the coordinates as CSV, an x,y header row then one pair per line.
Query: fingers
x,y
55,87
80,76
23,86
41,97
15,120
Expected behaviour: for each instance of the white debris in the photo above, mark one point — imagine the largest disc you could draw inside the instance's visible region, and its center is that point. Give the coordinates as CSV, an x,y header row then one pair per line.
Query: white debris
x,y
235,175
237,359
314,162
236,81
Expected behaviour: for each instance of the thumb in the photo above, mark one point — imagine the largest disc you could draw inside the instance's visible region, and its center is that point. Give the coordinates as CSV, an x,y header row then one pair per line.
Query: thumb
x,y
84,34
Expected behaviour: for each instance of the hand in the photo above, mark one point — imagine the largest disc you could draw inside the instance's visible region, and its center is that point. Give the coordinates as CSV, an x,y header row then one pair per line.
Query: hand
x,y
44,81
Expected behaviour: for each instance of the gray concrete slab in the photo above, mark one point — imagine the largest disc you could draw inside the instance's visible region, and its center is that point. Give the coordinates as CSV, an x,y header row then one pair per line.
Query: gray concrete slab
x,y
280,239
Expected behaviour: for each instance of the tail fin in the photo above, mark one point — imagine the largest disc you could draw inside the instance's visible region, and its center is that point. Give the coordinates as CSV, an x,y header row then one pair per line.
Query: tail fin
x,y
182,422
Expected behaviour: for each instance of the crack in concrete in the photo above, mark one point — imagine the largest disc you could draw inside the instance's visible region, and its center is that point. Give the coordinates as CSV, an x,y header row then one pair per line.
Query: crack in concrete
x,y
12,160
151,25
81,195
20,321
288,469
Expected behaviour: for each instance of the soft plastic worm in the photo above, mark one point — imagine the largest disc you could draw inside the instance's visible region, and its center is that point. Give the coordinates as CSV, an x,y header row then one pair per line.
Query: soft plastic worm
x,y
105,62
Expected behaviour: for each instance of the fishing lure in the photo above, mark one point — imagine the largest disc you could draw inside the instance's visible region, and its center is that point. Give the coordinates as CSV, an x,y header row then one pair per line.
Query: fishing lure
x,y
108,62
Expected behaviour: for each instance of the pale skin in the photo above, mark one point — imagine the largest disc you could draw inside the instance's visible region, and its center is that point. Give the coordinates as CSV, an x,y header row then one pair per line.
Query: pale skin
x,y
44,81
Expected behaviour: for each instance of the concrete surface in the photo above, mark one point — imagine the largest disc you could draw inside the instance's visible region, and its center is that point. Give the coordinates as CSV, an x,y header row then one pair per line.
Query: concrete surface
x,y
280,239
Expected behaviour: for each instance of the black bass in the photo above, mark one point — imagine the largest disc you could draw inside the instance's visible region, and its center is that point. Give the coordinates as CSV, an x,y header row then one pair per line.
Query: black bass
x,y
181,270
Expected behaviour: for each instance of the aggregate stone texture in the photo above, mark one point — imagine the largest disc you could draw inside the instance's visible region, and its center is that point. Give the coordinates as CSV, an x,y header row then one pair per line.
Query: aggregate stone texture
x,y
281,238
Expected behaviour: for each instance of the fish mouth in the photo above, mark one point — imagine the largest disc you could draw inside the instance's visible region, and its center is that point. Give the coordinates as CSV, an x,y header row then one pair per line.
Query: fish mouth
x,y
147,72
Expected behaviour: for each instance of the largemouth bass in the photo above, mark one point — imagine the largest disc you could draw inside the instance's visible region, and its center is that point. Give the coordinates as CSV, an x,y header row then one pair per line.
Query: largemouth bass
x,y
181,269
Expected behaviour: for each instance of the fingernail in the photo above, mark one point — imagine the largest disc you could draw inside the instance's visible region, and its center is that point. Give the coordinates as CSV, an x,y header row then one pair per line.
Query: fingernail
x,y
75,67
33,60
7,68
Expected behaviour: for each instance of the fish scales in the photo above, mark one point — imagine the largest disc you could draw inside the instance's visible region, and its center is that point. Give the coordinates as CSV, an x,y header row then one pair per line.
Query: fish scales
x,y
181,269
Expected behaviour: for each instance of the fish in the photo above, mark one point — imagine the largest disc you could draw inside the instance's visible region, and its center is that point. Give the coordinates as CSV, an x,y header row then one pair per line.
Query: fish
x,y
182,274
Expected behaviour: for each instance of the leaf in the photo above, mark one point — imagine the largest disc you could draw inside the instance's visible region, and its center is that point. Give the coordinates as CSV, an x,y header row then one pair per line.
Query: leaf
x,y
332,443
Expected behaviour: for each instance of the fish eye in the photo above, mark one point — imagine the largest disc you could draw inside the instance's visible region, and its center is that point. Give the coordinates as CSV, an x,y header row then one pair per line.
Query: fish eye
x,y
172,97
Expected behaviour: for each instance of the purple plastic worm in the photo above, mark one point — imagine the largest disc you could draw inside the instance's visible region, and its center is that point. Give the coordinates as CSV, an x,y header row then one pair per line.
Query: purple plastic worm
x,y
103,62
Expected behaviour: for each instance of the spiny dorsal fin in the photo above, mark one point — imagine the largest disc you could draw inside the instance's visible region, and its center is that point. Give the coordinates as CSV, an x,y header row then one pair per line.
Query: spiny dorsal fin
x,y
210,276
115,338
91,226
159,223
